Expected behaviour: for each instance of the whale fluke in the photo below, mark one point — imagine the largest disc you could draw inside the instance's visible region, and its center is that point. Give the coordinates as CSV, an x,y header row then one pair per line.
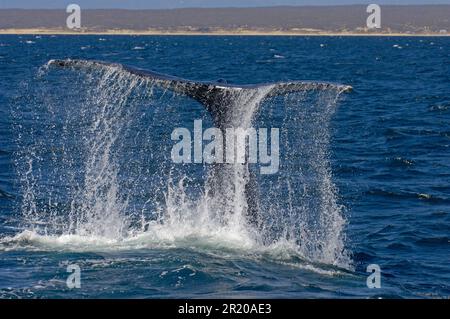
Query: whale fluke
x,y
230,105
215,96
188,87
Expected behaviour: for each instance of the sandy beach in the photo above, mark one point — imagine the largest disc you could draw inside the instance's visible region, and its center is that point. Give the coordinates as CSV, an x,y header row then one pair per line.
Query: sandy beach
x,y
231,32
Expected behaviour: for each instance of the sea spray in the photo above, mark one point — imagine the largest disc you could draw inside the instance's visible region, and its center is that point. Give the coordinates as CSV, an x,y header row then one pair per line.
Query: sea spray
x,y
306,205
77,134
103,137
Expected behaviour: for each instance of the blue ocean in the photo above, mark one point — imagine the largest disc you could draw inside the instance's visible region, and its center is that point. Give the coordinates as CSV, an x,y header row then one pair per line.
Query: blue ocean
x,y
88,185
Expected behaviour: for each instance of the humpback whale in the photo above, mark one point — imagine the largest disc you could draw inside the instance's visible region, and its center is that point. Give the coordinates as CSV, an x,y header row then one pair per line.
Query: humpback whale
x,y
230,106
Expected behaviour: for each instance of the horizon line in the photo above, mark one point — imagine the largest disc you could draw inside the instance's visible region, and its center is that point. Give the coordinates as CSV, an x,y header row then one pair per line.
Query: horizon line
x,y
234,7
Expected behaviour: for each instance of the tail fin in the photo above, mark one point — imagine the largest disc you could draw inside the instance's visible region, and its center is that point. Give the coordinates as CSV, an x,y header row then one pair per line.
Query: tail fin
x,y
220,100
215,96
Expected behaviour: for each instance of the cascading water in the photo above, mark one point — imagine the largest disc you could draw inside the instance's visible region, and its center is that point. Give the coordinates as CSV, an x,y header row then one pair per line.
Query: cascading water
x,y
307,207
83,158
108,142
226,183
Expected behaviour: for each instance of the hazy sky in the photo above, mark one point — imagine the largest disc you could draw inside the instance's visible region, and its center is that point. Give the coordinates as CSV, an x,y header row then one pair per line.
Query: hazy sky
x,y
158,4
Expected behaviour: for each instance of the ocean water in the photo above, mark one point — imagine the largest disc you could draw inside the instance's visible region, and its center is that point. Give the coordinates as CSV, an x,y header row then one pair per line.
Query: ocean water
x,y
86,176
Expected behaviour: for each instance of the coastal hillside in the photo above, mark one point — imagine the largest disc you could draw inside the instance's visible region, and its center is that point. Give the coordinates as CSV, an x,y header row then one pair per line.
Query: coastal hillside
x,y
417,19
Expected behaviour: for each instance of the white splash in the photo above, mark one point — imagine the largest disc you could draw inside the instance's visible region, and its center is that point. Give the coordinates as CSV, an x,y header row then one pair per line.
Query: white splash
x,y
99,215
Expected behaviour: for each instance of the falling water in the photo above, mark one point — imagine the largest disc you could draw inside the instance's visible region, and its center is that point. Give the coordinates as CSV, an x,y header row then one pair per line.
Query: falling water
x,y
96,163
307,208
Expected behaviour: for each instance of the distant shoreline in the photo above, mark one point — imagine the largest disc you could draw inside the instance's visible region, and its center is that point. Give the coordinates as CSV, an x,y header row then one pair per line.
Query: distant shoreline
x,y
217,33
345,20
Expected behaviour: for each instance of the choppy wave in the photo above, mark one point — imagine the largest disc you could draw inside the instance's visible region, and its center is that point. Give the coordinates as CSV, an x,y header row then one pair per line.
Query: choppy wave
x,y
221,245
389,156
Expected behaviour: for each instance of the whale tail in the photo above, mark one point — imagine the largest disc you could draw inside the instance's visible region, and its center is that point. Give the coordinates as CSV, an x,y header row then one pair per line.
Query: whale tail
x,y
229,105
217,97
